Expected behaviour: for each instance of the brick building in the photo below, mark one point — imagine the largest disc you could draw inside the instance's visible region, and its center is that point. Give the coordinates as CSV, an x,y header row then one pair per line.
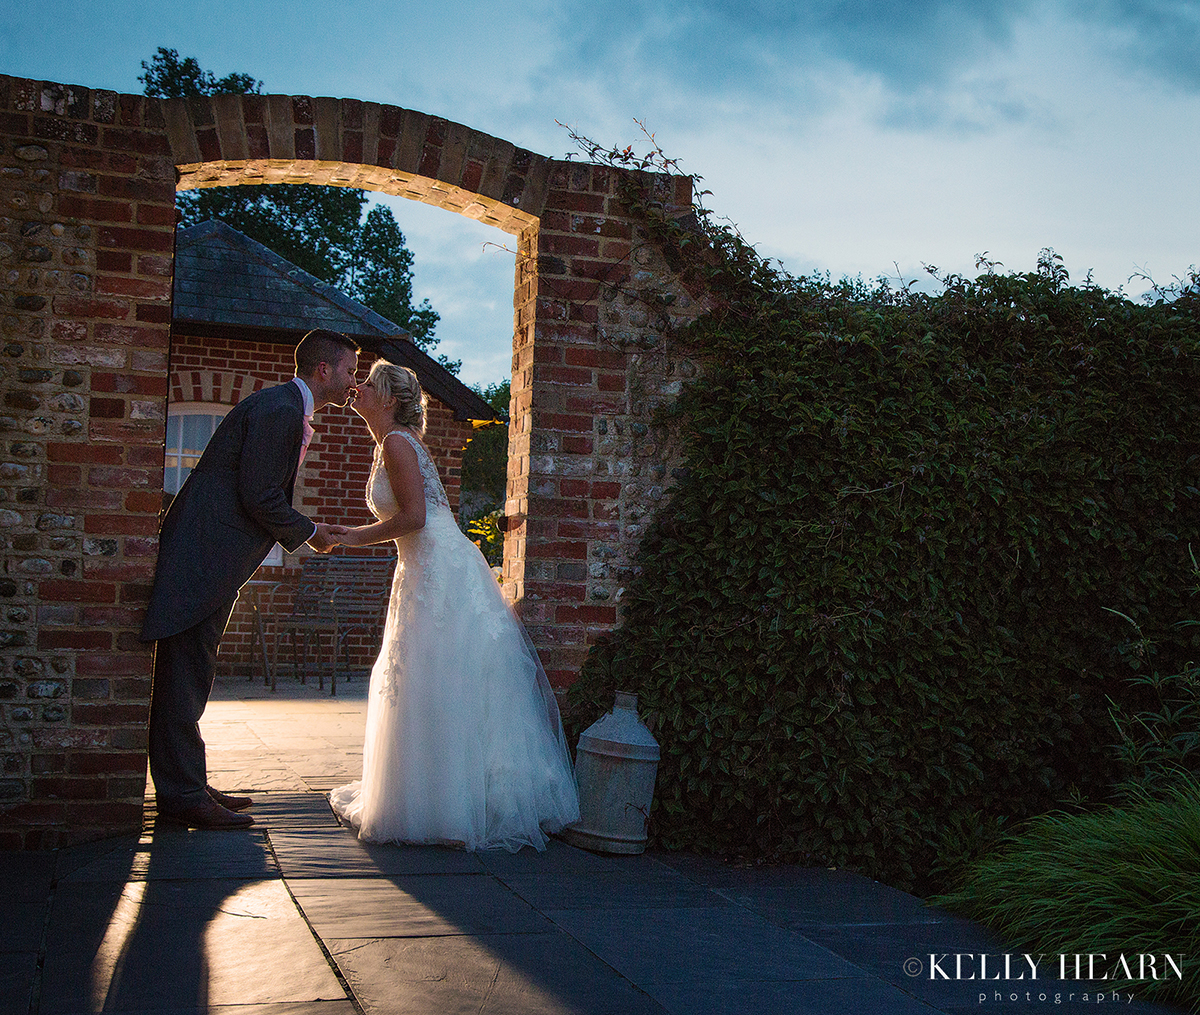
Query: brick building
x,y
237,313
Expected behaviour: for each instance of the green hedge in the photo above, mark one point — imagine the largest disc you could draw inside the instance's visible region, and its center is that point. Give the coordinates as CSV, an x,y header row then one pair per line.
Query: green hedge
x,y
871,622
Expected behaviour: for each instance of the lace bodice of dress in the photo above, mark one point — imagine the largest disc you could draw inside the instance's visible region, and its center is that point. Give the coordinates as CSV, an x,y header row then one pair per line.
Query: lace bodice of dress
x,y
380,498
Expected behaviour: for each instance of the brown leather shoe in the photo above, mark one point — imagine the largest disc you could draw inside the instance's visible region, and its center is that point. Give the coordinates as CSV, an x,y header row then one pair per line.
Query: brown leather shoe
x,y
230,803
208,814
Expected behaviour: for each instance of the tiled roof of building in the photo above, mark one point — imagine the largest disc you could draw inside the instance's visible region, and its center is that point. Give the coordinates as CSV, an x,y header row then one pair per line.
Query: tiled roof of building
x,y
224,277
228,284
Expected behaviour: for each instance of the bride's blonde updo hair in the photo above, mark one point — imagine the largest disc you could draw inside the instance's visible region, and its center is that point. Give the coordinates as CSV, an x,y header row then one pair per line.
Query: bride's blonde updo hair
x,y
391,380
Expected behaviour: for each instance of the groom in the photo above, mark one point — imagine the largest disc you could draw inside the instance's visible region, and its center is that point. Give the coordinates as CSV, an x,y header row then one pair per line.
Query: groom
x,y
234,507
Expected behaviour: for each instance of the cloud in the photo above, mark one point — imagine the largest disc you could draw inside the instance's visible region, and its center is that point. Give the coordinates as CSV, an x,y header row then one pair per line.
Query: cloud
x,y
1157,37
943,65
839,134
460,266
730,51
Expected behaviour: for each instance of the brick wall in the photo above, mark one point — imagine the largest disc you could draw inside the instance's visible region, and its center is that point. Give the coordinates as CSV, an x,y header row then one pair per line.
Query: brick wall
x,y
87,182
86,232
593,360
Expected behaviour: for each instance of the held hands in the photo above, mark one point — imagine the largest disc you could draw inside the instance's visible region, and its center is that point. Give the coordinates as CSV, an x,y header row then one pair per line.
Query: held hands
x,y
327,537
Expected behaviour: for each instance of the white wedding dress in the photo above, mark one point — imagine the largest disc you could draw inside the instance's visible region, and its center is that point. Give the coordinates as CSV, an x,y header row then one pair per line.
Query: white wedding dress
x,y
464,744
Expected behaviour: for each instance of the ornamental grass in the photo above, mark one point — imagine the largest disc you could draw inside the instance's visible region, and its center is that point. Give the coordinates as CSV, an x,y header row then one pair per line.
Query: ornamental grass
x,y
1117,881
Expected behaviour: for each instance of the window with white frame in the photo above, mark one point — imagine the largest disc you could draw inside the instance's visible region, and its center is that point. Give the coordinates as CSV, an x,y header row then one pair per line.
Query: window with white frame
x,y
190,426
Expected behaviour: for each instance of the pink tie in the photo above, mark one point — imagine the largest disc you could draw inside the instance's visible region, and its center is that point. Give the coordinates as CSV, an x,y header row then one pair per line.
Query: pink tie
x,y
308,436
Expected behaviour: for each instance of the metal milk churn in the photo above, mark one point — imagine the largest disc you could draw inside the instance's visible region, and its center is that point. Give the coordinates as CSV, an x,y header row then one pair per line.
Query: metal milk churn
x,y
615,766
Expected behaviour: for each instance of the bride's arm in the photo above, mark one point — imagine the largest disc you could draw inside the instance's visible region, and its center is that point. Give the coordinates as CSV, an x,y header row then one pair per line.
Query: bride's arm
x,y
404,474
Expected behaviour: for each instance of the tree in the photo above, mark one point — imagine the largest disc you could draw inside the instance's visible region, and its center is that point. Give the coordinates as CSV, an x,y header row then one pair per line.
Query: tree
x,y
485,460
484,473
319,229
171,78
381,277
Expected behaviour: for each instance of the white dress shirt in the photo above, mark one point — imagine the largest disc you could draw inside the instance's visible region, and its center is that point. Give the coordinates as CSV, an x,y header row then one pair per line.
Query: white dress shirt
x,y
309,408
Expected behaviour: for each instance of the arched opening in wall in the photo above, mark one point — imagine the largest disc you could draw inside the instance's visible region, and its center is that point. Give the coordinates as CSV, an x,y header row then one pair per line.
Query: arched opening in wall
x,y
92,176
465,269
238,310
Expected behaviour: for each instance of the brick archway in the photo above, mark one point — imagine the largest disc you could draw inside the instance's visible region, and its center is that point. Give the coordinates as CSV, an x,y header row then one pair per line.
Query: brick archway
x,y
88,193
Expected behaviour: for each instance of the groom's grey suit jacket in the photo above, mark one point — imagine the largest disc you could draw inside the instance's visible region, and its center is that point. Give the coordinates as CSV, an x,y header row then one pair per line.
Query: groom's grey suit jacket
x,y
234,507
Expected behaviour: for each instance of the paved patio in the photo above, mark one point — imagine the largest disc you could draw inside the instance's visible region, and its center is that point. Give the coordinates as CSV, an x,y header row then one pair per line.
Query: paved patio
x,y
296,917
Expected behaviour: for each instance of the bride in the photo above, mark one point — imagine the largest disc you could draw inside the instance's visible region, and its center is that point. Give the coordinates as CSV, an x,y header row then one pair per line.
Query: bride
x,y
464,744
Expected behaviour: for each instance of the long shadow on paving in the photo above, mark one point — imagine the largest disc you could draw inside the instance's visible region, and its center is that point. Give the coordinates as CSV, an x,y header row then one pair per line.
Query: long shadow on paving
x,y
424,929
29,885
27,880
173,945
174,852
181,920
21,925
422,905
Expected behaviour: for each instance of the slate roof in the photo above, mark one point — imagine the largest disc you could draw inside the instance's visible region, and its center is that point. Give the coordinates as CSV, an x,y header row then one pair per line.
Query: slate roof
x,y
224,277
228,285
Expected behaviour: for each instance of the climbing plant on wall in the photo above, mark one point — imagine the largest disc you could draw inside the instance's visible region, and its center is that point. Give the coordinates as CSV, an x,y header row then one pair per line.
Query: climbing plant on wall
x,y
872,623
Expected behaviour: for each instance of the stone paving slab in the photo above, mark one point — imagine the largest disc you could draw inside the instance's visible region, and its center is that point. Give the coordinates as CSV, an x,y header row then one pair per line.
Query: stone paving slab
x,y
18,971
557,858
21,925
428,905
245,772
893,951
724,876
690,945
831,897
883,947
291,811
504,974
173,852
811,895
173,945
652,887
28,876
886,950
293,740
337,853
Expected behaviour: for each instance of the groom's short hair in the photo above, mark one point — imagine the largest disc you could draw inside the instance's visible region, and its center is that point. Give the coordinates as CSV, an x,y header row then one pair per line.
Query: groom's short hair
x,y
322,346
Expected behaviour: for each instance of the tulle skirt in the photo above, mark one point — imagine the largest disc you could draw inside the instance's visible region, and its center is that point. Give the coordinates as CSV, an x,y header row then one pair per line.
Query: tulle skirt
x,y
464,744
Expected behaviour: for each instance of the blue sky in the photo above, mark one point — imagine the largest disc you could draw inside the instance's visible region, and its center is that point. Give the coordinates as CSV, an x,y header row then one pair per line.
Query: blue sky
x,y
859,138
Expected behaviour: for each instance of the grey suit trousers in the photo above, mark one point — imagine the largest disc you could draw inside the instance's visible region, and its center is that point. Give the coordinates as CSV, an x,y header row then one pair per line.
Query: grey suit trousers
x,y
185,665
